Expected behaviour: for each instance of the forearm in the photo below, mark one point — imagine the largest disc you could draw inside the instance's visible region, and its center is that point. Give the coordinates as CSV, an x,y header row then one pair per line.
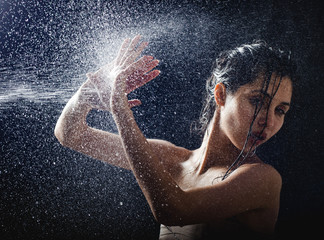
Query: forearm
x,y
159,188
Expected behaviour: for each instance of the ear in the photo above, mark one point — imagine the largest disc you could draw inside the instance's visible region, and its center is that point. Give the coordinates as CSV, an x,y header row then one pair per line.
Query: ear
x,y
220,94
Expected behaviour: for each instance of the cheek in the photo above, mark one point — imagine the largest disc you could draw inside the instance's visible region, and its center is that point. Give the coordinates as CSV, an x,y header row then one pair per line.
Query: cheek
x,y
245,113
278,126
238,117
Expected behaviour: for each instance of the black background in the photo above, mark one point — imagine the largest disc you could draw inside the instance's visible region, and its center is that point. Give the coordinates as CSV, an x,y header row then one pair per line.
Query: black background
x,y
48,191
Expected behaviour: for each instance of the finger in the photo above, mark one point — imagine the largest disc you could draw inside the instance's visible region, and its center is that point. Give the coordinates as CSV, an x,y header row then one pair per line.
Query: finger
x,y
134,103
131,49
135,54
122,50
140,81
140,70
150,65
140,67
136,66
142,64
134,42
136,70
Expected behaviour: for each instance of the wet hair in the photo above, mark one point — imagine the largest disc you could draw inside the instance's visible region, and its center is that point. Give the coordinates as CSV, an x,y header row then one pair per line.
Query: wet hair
x,y
240,66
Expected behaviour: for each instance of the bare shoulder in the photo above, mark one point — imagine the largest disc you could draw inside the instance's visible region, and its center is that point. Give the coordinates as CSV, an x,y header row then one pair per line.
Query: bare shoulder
x,y
168,146
169,151
260,174
264,183
261,169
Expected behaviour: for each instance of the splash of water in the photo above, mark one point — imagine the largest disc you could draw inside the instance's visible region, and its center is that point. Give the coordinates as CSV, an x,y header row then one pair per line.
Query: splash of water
x,y
49,71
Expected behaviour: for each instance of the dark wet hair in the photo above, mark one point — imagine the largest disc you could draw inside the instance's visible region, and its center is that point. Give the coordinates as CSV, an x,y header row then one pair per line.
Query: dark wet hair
x,y
240,66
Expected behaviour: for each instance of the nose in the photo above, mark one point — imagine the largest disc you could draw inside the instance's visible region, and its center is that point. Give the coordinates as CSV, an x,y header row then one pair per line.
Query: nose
x,y
266,119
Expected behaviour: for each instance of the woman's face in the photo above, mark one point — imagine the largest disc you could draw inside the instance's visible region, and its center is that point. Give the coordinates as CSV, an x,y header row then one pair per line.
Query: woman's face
x,y
238,111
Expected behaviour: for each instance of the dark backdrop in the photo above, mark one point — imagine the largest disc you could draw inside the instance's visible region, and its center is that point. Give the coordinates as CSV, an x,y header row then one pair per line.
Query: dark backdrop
x,y
50,192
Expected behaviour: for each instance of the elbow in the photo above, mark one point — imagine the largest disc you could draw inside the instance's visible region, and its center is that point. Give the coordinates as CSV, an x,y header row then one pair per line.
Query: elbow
x,y
59,134
63,134
69,136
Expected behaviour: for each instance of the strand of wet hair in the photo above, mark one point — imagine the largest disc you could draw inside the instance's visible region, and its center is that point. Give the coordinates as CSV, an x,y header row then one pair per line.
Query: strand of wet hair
x,y
237,161
273,93
256,112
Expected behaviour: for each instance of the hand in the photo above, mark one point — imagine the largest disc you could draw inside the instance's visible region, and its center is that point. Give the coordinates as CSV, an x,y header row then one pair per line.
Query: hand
x,y
133,74
89,95
129,74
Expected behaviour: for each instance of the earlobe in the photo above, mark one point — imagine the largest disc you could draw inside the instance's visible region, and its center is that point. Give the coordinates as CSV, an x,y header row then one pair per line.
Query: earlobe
x,y
220,94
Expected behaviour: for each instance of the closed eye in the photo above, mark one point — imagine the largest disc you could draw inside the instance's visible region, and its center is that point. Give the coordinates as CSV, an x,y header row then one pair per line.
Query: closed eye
x,y
280,111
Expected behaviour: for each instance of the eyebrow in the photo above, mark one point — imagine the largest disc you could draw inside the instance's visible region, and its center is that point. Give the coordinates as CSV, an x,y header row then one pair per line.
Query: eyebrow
x,y
267,95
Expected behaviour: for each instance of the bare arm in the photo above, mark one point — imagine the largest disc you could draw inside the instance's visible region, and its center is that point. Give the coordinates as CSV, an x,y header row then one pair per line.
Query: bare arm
x,y
159,188
73,132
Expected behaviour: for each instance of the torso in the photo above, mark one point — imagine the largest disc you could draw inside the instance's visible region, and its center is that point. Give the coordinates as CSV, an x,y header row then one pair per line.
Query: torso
x,y
183,170
232,228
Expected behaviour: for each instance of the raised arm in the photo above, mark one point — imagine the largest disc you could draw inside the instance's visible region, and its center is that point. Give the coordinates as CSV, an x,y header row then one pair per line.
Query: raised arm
x,y
159,188
72,130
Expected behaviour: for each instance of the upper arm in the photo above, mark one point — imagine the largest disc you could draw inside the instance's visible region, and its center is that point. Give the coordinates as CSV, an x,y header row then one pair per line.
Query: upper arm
x,y
246,189
108,147
99,144
169,153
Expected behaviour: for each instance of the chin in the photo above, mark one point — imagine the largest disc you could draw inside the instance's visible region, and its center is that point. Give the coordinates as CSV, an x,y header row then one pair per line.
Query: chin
x,y
250,147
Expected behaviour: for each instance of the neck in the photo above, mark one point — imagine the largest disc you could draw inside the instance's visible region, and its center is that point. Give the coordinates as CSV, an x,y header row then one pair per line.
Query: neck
x,y
216,149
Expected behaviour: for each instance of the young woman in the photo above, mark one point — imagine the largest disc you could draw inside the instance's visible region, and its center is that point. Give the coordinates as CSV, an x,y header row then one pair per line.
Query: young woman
x,y
221,187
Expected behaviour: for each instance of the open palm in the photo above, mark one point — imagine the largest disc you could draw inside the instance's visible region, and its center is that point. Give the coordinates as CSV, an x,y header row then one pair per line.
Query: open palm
x,y
97,89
